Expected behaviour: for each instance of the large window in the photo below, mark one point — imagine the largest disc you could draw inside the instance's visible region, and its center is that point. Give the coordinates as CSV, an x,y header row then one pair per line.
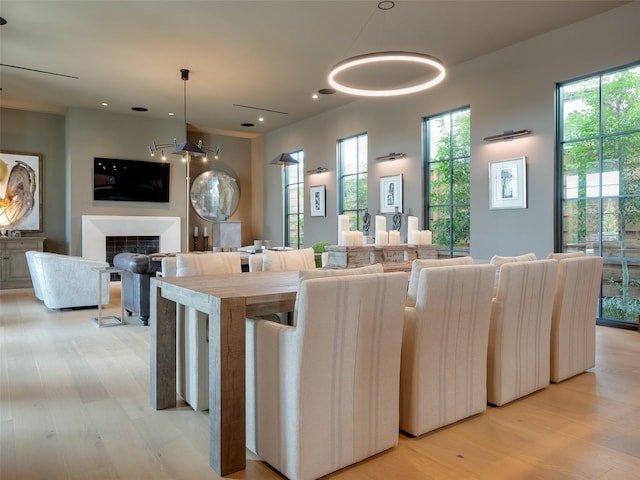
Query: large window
x,y
448,180
352,165
599,193
294,201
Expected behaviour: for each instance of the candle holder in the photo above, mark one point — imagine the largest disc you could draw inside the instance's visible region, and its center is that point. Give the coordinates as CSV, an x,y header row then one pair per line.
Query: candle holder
x,y
397,220
195,243
366,222
206,243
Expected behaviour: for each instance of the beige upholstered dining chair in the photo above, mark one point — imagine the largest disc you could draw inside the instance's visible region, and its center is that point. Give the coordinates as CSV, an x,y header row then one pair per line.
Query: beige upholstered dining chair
x,y
192,344
575,306
323,394
418,265
282,260
443,376
518,358
498,261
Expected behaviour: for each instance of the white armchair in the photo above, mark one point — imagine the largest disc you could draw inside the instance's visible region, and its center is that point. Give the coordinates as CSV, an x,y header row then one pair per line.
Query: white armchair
x,y
64,281
518,359
573,325
35,272
193,335
443,377
323,394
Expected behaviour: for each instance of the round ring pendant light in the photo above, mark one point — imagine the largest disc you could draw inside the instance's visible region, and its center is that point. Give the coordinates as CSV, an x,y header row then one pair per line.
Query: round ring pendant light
x,y
387,57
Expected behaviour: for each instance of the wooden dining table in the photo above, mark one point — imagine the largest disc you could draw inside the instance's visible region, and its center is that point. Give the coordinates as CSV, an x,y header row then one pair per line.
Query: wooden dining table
x,y
228,299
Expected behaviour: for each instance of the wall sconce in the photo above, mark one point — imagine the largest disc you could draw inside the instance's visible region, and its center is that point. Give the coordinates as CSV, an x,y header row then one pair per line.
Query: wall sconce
x,y
392,156
507,135
317,170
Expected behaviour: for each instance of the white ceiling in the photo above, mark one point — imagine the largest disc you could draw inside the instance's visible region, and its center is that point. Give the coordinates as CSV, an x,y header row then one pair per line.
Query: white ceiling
x,y
272,55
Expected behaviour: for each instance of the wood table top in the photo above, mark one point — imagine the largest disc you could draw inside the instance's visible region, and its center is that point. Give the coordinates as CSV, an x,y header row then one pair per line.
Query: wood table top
x,y
231,285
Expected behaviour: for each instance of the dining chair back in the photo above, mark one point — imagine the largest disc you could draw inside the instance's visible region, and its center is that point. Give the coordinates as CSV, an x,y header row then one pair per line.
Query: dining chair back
x,y
444,347
323,393
573,324
518,359
193,332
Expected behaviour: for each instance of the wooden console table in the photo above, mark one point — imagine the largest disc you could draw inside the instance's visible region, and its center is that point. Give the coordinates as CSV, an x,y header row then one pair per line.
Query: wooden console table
x,y
392,257
228,300
15,270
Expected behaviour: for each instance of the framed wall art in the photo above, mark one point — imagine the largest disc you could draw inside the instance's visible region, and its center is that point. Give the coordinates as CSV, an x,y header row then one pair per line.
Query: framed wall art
x,y
391,194
318,201
508,184
21,191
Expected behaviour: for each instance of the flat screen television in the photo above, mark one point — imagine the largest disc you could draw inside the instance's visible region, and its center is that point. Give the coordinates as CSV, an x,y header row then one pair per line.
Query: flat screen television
x,y
130,180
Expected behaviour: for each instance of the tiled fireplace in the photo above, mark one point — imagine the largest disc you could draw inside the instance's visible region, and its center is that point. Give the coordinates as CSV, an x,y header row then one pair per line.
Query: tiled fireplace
x,y
102,234
134,244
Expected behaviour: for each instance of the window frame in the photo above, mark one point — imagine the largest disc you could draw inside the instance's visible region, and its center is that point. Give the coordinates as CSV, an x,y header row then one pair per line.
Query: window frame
x,y
448,249
601,137
356,215
288,186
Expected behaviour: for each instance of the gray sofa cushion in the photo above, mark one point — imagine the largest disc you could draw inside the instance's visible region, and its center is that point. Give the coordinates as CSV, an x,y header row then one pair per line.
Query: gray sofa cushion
x,y
132,262
138,262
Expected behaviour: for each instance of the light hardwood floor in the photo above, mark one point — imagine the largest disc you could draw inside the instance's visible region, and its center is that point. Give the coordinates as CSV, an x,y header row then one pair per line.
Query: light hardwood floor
x,y
74,404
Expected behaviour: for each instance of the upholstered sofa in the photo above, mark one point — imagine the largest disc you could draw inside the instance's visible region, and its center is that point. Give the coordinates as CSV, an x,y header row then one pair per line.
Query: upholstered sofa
x,y
64,281
137,270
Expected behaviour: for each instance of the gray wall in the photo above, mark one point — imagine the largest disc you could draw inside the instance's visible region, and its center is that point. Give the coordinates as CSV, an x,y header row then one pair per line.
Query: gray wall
x,y
235,153
93,133
69,143
510,89
44,134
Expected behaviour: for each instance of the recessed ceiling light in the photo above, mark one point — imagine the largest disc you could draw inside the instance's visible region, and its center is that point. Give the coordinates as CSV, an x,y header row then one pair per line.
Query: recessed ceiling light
x,y
314,96
326,91
104,104
246,124
171,114
139,109
261,119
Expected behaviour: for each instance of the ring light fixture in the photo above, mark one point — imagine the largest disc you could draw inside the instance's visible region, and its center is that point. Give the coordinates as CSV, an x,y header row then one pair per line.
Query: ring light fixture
x,y
387,57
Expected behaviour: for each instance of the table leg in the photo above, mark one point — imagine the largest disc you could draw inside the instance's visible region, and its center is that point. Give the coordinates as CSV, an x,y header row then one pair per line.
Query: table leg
x,y
227,442
163,349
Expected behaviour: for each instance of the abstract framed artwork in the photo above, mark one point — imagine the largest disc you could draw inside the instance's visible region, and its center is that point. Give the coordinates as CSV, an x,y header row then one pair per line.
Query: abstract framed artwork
x,y
508,184
318,201
391,194
21,191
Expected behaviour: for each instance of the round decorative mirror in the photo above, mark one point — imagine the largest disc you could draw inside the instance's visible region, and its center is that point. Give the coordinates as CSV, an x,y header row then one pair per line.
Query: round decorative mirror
x,y
215,194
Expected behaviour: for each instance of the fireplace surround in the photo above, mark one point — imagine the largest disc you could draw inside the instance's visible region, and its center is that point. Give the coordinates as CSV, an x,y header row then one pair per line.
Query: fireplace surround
x,y
96,229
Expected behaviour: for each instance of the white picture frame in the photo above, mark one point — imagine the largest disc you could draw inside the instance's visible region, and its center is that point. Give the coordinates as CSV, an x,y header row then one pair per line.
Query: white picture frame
x,y
508,184
391,194
317,201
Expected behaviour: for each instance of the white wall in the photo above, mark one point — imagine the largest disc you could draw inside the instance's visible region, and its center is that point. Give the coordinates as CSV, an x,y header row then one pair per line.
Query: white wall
x,y
510,89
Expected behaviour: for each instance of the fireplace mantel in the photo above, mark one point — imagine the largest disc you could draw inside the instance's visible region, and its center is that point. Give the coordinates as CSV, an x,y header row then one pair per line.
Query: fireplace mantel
x,y
95,229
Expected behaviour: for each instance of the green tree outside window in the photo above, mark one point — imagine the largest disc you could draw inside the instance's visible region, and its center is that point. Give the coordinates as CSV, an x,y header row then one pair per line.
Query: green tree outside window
x,y
448,152
599,150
